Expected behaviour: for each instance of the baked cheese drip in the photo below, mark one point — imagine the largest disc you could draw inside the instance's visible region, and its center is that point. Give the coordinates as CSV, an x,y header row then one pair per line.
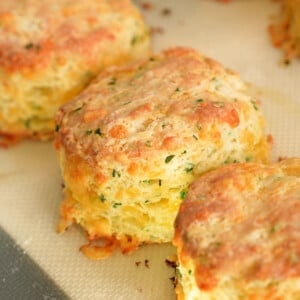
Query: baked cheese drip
x,y
133,141
285,30
50,50
238,234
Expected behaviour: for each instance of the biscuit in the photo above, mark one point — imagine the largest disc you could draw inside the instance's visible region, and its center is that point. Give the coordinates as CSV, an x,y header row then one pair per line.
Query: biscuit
x,y
285,29
133,141
237,233
50,51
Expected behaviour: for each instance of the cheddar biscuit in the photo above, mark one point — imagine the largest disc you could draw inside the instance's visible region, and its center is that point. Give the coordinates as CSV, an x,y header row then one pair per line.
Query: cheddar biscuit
x,y
50,50
237,233
133,141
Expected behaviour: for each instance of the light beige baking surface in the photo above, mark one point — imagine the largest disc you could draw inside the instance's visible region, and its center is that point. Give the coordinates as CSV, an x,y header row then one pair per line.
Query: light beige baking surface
x,y
30,182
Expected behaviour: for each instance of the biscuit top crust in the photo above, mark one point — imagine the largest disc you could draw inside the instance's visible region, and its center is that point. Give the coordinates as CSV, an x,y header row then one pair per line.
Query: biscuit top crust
x,y
242,221
160,104
34,32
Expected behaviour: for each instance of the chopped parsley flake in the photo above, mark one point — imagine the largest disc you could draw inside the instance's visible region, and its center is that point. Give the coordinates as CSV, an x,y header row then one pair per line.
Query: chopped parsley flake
x,y
148,143
178,273
189,168
77,109
115,173
254,105
102,198
134,40
249,158
112,81
169,158
195,137
98,131
116,204
159,182
199,100
57,127
27,123
183,194
29,46
274,228
177,89
147,181
89,131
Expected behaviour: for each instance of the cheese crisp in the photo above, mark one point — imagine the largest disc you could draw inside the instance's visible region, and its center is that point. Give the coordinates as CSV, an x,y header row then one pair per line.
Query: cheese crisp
x,y
285,31
238,234
50,50
133,141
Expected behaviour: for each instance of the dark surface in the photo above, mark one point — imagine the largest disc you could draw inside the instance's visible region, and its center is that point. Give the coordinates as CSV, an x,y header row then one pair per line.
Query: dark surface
x,y
20,277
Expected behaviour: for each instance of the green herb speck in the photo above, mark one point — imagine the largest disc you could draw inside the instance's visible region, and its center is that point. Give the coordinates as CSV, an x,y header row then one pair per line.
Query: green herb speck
x,y
77,109
98,131
195,137
116,204
169,158
249,158
57,127
274,228
134,40
112,81
89,131
115,173
27,123
199,100
254,105
177,89
189,168
102,198
159,182
29,46
183,194
148,143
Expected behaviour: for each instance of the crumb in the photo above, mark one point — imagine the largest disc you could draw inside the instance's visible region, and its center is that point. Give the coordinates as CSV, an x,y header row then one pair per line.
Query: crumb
x,y
154,30
280,158
137,263
270,139
146,262
173,280
146,6
286,62
166,11
170,263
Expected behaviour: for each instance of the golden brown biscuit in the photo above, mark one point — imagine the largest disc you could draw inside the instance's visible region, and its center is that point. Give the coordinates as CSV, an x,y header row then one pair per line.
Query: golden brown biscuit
x,y
285,30
237,234
50,50
132,142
